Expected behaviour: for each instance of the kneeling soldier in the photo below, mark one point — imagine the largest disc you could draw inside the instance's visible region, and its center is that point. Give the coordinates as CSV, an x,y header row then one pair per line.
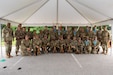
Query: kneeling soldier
x,y
87,44
68,42
95,46
36,45
26,46
62,44
80,46
74,45
45,44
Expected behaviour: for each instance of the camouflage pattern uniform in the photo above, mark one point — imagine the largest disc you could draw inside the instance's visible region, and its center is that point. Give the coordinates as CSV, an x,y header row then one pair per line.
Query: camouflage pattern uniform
x,y
80,46
62,44
105,39
24,45
99,35
74,45
36,45
18,35
8,37
95,46
68,44
45,44
87,45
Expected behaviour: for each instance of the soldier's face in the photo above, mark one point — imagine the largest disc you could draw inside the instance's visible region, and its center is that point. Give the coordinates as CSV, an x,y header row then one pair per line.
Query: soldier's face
x,y
8,25
26,37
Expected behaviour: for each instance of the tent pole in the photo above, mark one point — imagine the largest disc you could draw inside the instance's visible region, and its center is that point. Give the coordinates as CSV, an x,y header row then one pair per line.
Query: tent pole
x,y
1,41
79,12
57,10
35,11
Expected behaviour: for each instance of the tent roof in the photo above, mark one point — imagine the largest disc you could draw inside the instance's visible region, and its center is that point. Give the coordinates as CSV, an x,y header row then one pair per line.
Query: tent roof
x,y
50,12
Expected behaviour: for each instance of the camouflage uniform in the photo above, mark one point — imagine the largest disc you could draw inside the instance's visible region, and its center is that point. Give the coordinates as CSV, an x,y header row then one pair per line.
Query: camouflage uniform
x,y
23,32
45,44
8,37
80,45
24,45
62,45
105,39
18,35
36,46
99,35
74,45
87,45
30,35
95,46
68,46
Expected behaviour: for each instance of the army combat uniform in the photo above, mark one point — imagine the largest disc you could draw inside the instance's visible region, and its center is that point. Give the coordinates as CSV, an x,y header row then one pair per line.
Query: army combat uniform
x,y
105,39
36,46
74,45
95,46
8,37
18,35
24,45
87,46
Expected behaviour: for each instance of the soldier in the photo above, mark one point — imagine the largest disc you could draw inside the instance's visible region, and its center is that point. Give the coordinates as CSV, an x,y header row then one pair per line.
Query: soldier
x,y
75,32
87,46
69,32
95,30
29,33
8,37
80,45
54,45
99,35
62,44
36,45
95,46
45,44
52,34
68,42
74,45
18,34
41,35
87,30
26,46
91,33
46,31
23,32
105,39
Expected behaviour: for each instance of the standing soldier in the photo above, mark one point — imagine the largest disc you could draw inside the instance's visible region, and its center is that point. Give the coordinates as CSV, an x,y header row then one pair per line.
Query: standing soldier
x,y
95,30
87,30
87,45
18,34
36,45
75,32
26,46
105,39
91,33
23,32
8,37
95,46
99,35
29,33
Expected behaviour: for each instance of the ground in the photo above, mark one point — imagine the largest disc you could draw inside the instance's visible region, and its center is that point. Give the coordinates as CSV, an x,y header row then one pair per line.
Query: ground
x,y
58,64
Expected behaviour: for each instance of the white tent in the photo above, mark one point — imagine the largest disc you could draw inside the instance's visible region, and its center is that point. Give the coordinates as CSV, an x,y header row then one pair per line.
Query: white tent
x,y
49,12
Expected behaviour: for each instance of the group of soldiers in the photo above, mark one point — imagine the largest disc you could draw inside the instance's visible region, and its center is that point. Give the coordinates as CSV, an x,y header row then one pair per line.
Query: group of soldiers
x,y
71,40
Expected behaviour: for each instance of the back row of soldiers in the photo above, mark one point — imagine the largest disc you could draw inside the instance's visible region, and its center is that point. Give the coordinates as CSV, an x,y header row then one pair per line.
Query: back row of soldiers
x,y
77,40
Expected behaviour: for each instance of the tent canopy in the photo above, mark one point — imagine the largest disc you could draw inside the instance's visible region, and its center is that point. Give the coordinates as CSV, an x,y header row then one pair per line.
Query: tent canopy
x,y
50,12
